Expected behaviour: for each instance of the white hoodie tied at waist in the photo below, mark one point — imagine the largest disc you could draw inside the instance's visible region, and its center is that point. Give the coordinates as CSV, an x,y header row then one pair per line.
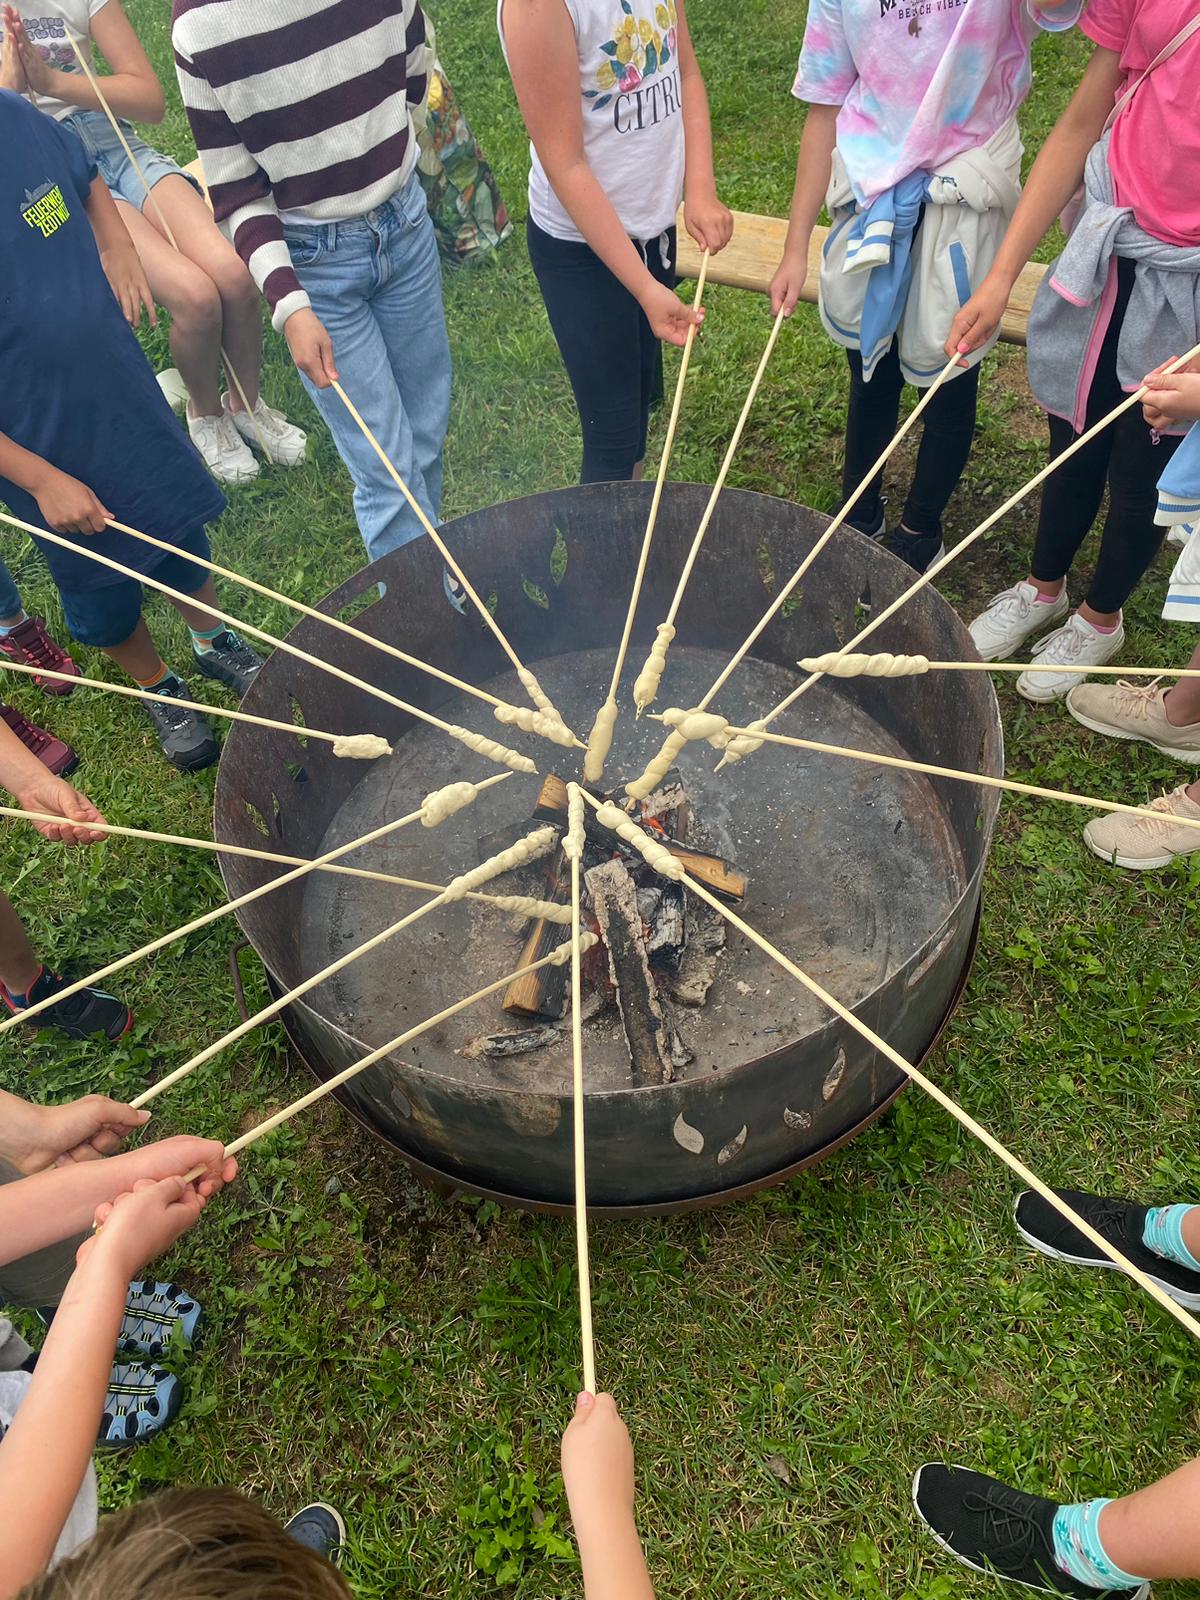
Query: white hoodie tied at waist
x,y
969,202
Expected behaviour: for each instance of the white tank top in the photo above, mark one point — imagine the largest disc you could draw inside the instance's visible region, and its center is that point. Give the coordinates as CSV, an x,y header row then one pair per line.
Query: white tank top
x,y
632,115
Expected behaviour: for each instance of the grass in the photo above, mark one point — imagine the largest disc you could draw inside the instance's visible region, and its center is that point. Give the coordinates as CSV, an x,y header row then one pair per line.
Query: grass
x,y
784,1364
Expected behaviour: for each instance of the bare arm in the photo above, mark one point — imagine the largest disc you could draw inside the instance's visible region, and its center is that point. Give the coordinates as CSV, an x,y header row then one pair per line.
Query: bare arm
x,y
597,1462
124,271
814,164
545,73
1053,179
705,218
132,90
44,1454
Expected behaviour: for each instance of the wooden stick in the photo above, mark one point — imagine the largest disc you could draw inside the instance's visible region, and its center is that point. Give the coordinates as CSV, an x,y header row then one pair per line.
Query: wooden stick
x,y
1184,1318
646,687
336,1082
836,664
573,848
939,566
781,598
164,224
322,616
305,986
190,705
510,758
600,740
903,764
528,681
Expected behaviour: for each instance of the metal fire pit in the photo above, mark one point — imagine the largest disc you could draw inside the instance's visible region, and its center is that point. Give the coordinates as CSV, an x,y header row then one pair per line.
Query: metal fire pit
x,y
868,877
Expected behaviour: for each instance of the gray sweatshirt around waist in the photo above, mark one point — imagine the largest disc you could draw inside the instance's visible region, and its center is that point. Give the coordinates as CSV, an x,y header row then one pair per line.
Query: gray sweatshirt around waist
x,y
1073,306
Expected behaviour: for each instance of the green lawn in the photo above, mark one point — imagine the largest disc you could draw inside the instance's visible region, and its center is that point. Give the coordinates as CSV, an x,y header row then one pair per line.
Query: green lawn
x,y
784,1364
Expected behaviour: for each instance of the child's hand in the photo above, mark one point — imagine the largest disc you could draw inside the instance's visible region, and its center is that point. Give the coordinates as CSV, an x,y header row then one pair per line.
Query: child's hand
x,y
36,1137
142,1223
127,280
311,347
12,73
53,795
38,75
788,283
171,1158
708,221
68,505
978,320
597,1462
1173,398
667,315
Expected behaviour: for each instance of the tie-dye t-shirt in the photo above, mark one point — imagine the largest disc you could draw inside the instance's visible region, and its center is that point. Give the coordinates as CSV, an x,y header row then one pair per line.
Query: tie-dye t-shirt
x,y
918,81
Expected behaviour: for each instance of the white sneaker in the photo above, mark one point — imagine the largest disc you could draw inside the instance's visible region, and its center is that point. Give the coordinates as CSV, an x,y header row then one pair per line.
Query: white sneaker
x,y
1180,533
285,443
1075,644
1012,616
219,442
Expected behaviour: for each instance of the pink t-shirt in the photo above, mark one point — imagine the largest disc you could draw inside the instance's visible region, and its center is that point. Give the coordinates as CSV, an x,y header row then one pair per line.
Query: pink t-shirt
x,y
919,81
1154,149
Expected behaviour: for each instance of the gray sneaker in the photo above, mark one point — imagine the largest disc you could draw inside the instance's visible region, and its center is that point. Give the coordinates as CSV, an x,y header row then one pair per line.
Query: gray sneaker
x,y
319,1527
229,660
183,736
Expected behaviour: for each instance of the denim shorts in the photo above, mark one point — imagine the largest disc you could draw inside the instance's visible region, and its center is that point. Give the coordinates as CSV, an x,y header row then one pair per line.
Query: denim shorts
x,y
96,134
108,614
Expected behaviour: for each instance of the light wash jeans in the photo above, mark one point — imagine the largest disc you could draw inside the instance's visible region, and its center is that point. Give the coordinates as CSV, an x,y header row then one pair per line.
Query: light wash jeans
x,y
376,285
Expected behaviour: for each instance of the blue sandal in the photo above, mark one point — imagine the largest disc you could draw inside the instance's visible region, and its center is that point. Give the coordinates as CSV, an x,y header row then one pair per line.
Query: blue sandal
x,y
140,1402
152,1312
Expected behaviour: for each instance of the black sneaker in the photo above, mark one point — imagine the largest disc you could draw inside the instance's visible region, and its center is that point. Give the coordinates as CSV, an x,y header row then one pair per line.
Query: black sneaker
x,y
1120,1222
874,529
1000,1531
919,550
230,661
319,1527
183,736
80,1016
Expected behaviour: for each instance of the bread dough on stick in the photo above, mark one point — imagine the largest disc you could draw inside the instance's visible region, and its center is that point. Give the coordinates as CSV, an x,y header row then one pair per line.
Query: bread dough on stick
x,y
539,843
687,726
646,684
484,746
600,741
656,855
573,840
531,721
361,746
540,698
881,665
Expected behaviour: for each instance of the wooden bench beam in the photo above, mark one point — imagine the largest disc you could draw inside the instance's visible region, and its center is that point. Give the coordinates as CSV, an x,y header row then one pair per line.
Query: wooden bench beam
x,y
750,258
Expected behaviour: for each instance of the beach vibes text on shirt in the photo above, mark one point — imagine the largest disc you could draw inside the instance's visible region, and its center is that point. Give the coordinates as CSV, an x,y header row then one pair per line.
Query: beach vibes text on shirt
x,y
639,72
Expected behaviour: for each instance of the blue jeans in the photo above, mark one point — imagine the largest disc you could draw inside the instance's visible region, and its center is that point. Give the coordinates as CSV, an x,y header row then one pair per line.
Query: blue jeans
x,y
376,285
10,595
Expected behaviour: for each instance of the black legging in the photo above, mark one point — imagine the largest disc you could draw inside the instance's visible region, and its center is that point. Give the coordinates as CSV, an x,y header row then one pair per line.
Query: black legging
x,y
1130,457
612,358
949,428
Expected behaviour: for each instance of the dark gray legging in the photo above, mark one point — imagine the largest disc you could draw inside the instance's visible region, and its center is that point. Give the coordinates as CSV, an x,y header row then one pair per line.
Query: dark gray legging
x,y
39,1279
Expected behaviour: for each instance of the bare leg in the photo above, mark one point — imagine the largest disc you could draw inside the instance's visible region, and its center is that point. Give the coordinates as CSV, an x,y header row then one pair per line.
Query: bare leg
x,y
191,297
1155,1533
19,967
1183,699
639,470
203,244
138,655
192,610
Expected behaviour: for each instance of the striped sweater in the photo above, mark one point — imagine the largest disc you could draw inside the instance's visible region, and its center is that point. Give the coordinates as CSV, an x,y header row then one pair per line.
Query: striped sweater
x,y
301,107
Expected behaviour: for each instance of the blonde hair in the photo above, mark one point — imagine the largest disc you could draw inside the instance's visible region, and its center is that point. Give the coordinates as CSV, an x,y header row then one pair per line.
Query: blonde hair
x,y
191,1544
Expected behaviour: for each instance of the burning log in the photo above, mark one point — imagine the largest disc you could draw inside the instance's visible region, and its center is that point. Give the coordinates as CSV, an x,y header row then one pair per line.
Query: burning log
x,y
543,993
655,1048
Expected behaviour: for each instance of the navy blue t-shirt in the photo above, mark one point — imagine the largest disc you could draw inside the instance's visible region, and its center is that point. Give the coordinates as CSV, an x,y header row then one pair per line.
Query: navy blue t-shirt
x,y
75,387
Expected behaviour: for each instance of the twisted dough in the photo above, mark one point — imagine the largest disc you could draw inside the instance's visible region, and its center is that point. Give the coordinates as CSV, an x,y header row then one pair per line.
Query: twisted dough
x,y
443,803
744,744
697,725
656,855
530,848
483,746
361,746
573,840
648,679
658,768
530,721
882,665
526,906
539,696
587,941
600,741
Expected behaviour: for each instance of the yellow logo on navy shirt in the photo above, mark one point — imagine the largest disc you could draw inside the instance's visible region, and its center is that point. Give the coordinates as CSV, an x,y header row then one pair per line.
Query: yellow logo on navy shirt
x,y
45,209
